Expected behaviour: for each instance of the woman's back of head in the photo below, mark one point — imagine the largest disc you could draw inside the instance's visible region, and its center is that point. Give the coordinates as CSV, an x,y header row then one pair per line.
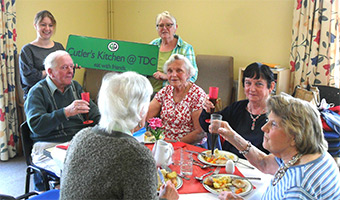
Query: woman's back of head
x,y
123,100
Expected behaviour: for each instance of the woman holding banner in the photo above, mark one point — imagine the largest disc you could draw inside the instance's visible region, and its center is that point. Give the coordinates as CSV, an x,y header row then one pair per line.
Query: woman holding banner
x,y
33,54
169,43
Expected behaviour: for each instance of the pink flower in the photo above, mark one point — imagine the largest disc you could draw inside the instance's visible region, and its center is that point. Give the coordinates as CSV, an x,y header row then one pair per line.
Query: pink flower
x,y
156,127
155,123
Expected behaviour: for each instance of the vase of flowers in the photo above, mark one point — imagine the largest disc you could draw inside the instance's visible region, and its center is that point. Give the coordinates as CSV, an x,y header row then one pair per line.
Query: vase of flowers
x,y
155,127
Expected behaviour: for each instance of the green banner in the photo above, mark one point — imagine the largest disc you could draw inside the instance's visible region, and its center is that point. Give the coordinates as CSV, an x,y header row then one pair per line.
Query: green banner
x,y
113,55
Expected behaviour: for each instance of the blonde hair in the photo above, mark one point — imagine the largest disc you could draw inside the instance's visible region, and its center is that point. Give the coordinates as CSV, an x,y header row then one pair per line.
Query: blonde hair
x,y
301,120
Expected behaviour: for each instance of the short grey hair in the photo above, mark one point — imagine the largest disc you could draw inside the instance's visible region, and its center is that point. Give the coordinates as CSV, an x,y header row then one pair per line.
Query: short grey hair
x,y
165,14
188,66
51,60
301,120
123,100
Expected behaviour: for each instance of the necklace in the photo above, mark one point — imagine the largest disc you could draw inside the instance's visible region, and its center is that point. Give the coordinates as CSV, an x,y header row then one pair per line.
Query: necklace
x,y
254,118
283,168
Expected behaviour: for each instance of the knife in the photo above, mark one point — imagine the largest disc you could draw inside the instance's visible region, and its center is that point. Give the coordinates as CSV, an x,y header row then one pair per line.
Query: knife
x,y
161,176
169,170
217,170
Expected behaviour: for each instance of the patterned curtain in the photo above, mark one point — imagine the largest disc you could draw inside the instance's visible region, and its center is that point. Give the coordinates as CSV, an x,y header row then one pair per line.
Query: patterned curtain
x,y
314,55
8,51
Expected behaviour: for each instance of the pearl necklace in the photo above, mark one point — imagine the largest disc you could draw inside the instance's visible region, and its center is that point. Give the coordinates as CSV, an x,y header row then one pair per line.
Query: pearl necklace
x,y
282,170
254,118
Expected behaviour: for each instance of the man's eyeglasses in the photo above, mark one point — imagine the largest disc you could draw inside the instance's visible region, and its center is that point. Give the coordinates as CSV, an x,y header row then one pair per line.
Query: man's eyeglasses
x,y
64,67
166,25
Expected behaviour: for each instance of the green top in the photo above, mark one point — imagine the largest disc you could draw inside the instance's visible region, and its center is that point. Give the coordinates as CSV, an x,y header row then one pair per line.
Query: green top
x,y
162,58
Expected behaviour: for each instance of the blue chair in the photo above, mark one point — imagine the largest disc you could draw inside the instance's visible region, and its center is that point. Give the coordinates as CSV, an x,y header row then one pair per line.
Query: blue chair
x,y
48,195
27,144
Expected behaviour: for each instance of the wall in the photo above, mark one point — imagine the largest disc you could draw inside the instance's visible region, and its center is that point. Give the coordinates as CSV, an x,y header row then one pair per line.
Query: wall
x,y
79,17
248,30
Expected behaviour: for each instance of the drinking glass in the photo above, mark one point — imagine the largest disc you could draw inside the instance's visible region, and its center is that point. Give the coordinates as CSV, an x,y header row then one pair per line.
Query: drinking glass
x,y
86,97
186,163
176,157
215,124
213,95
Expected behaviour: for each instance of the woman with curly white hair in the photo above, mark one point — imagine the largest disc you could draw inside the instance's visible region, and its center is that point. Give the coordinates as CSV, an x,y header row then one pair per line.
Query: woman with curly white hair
x,y
106,161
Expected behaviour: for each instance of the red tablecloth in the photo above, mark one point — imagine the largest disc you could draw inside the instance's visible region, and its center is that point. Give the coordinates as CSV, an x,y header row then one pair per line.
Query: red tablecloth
x,y
193,185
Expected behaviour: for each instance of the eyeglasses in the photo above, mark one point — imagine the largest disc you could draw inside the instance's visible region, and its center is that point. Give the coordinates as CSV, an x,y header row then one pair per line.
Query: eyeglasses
x,y
65,67
166,25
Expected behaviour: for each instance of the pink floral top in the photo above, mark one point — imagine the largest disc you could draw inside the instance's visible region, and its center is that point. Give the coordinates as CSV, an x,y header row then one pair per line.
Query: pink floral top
x,y
177,117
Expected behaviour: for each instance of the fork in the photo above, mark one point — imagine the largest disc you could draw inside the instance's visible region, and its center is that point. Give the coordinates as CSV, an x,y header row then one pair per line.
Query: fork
x,y
201,177
201,165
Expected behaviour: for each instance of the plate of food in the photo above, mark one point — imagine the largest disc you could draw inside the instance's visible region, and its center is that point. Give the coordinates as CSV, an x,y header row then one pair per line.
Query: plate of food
x,y
177,181
149,138
227,182
219,158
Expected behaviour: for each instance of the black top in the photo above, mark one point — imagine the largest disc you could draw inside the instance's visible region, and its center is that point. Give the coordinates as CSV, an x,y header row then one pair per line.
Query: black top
x,y
239,119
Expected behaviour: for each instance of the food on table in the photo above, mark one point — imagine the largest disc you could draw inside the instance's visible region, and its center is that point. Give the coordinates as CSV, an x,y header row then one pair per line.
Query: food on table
x,y
226,183
149,138
167,176
217,158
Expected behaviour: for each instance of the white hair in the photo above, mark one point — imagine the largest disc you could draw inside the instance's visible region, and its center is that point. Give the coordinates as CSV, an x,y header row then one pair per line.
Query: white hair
x,y
51,60
165,14
188,66
123,100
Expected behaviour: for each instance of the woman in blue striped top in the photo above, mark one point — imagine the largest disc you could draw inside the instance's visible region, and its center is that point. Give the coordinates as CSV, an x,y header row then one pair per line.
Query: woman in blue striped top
x,y
299,161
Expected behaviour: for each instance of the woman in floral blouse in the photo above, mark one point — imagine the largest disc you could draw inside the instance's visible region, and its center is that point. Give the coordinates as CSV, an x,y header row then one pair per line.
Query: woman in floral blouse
x,y
180,103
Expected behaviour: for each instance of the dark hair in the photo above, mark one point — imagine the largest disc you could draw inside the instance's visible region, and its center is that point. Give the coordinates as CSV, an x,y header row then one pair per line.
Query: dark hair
x,y
258,70
42,14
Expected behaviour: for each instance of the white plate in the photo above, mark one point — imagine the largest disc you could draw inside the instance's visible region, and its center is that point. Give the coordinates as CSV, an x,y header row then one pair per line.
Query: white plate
x,y
224,153
248,188
152,142
179,183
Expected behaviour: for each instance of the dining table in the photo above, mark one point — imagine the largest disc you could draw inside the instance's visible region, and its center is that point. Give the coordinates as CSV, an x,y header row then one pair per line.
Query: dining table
x,y
191,189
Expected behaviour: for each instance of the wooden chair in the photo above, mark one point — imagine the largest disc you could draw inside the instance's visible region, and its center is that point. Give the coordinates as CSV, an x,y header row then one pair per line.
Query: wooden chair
x,y
217,71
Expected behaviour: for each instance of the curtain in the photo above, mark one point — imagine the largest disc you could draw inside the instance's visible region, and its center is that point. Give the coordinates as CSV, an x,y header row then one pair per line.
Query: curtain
x,y
314,54
8,51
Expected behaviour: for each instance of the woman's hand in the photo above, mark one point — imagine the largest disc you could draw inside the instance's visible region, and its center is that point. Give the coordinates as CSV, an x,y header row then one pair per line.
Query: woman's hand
x,y
228,195
208,105
168,191
160,76
225,130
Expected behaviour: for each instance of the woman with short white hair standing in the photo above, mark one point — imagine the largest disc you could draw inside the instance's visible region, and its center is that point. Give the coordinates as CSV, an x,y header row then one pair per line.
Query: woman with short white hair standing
x,y
106,161
169,43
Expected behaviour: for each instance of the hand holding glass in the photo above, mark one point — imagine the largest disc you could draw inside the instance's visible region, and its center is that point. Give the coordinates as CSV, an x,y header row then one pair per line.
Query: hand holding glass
x,y
86,97
215,124
213,95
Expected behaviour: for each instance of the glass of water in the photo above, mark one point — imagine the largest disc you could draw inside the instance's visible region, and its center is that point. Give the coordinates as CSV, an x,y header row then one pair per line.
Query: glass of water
x,y
186,163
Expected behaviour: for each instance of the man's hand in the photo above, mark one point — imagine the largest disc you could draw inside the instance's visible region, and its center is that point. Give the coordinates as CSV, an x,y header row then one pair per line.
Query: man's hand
x,y
77,107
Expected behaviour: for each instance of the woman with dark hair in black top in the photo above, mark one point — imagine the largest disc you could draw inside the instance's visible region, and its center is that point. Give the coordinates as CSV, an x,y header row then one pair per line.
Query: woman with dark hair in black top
x,y
246,117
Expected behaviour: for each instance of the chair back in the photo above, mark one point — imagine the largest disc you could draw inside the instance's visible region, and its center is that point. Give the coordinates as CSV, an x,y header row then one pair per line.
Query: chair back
x,y
27,142
216,71
92,82
331,94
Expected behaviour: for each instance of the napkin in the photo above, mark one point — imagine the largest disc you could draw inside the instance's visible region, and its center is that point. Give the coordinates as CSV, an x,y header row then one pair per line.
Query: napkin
x,y
62,146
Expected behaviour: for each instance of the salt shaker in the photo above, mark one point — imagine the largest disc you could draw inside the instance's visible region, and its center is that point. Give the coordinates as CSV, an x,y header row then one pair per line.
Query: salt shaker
x,y
230,167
